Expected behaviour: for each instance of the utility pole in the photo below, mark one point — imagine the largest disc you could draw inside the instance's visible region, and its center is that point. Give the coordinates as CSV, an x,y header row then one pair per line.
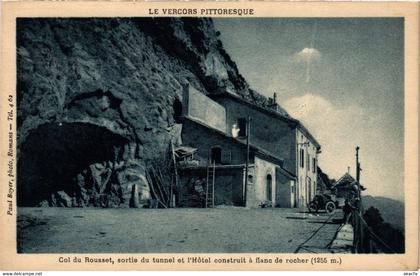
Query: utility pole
x,y
358,169
357,165
358,230
248,130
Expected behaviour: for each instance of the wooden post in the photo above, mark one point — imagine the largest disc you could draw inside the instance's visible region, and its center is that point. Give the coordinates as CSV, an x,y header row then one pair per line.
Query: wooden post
x,y
172,196
212,186
149,180
158,183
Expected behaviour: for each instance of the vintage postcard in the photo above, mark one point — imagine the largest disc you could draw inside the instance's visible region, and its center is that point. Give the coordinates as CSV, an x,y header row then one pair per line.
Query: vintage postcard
x,y
209,136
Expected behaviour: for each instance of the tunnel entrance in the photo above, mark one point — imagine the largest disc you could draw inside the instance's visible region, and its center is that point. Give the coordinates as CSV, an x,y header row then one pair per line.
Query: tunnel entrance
x,y
54,155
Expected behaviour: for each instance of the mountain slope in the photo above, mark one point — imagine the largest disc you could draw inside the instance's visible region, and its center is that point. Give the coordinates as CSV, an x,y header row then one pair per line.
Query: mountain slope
x,y
392,211
97,98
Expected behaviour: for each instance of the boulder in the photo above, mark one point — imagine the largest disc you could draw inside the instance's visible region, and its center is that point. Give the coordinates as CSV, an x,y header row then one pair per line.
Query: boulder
x,y
62,199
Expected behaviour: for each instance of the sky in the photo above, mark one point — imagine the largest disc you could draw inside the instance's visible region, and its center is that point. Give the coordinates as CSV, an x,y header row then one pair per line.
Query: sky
x,y
342,78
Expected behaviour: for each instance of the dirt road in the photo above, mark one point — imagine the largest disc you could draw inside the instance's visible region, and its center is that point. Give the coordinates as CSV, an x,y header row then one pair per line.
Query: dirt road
x,y
219,230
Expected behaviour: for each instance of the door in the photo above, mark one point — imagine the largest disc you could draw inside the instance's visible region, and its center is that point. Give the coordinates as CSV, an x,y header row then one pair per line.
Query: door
x,y
269,188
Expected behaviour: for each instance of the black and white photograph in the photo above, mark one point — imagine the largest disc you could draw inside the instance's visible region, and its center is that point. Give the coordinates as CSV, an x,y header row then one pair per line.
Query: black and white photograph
x,y
210,135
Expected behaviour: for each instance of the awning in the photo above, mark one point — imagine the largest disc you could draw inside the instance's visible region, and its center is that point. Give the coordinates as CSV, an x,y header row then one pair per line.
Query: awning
x,y
184,151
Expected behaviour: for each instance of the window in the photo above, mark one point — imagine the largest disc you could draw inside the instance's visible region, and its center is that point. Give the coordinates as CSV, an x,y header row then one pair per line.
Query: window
x,y
308,162
302,158
313,165
269,187
216,155
242,127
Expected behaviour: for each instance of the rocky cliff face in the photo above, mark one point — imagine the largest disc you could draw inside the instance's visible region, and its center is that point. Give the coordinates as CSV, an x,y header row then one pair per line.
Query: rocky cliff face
x,y
97,98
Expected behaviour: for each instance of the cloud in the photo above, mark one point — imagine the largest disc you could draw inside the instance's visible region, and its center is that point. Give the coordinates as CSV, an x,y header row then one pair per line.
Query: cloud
x,y
307,54
307,105
339,128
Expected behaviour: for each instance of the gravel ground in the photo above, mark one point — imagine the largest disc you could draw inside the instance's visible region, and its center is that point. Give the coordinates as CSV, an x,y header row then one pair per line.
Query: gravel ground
x,y
219,230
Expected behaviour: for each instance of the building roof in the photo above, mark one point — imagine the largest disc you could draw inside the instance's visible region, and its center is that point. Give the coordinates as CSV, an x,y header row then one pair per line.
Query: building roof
x,y
256,150
346,181
279,115
217,166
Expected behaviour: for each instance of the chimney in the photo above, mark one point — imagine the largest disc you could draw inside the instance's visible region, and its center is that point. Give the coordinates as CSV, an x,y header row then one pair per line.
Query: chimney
x,y
272,102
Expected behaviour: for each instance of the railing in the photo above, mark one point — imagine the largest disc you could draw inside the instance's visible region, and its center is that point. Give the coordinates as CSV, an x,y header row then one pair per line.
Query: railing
x,y
365,240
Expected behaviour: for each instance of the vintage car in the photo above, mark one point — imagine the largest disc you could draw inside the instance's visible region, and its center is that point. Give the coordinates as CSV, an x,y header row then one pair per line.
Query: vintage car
x,y
322,202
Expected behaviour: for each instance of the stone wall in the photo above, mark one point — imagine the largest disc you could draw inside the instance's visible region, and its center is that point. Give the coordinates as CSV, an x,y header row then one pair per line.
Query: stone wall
x,y
228,188
204,109
264,169
197,135
267,132
308,174
285,190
